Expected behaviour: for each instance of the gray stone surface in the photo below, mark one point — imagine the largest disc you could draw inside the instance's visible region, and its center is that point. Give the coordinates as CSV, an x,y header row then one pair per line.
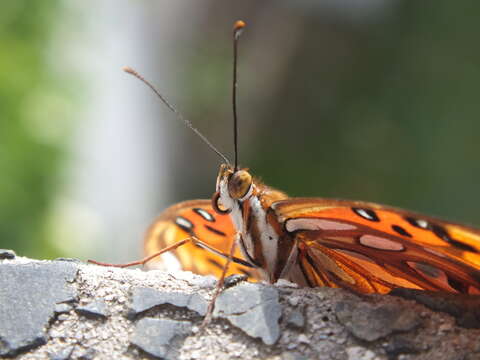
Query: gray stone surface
x,y
253,308
144,298
464,308
371,322
293,356
63,354
93,309
157,337
337,323
61,308
296,319
28,294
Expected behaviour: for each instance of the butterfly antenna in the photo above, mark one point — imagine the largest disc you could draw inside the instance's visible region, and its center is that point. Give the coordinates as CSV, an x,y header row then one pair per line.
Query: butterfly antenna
x,y
179,116
237,31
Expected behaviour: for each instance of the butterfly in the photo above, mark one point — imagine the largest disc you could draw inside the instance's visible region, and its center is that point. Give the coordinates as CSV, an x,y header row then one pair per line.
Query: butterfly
x,y
250,228
365,247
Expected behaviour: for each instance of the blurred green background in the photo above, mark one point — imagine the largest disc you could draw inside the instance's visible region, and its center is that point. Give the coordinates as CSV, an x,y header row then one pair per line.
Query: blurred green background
x,y
373,101
30,160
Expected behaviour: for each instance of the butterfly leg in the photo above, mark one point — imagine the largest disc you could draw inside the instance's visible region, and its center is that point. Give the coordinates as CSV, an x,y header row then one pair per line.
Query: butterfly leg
x,y
148,258
219,287
220,284
173,247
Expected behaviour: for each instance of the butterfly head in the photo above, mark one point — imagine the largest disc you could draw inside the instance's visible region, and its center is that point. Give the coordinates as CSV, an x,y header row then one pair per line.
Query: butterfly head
x,y
233,187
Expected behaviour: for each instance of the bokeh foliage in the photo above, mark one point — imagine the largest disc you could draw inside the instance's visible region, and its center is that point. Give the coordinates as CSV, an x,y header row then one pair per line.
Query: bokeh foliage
x,y
28,165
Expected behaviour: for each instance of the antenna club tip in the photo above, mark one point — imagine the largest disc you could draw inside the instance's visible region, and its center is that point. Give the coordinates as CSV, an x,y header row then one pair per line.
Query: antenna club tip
x,y
129,70
239,25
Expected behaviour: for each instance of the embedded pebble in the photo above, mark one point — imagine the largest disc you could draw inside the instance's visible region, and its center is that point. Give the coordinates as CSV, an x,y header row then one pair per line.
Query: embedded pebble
x,y
360,353
286,283
88,354
62,308
63,354
371,322
253,308
155,336
26,307
302,338
293,300
62,317
296,319
445,328
463,307
94,309
293,356
144,298
204,282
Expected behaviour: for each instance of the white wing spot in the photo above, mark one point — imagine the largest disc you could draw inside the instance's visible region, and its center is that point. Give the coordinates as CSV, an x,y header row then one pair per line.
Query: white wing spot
x,y
204,214
317,224
377,242
184,223
422,223
366,214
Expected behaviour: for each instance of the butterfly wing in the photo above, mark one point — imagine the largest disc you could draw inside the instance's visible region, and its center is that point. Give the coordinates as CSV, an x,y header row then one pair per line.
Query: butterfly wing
x,y
193,218
372,248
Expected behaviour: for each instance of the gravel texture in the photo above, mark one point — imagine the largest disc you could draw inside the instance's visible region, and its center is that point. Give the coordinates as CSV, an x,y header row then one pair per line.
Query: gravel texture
x,y
70,310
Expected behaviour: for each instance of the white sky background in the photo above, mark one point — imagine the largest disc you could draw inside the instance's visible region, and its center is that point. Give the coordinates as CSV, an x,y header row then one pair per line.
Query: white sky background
x,y
117,176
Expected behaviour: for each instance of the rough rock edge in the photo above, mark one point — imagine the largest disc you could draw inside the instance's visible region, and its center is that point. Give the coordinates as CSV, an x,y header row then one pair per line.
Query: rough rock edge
x,y
337,324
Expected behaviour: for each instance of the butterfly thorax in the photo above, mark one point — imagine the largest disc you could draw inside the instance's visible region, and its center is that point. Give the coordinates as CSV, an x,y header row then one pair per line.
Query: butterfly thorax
x,y
260,236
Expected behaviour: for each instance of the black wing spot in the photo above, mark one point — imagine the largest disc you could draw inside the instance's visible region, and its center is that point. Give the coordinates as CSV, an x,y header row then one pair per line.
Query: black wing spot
x,y
440,232
184,224
215,263
204,214
418,223
400,230
462,246
216,231
366,214
443,234
457,285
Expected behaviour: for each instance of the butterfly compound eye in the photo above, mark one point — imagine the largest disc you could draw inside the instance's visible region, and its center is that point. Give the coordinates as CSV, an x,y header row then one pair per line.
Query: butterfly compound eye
x,y
239,184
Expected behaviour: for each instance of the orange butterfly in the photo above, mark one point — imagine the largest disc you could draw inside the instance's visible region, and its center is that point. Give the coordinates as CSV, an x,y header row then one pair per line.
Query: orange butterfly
x,y
361,246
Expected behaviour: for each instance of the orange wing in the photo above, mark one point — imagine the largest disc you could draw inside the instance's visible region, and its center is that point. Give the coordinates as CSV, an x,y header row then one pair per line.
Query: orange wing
x,y
372,248
195,218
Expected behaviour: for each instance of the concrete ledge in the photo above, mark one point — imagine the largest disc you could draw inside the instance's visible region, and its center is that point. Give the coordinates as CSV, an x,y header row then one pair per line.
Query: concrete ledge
x,y
71,310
